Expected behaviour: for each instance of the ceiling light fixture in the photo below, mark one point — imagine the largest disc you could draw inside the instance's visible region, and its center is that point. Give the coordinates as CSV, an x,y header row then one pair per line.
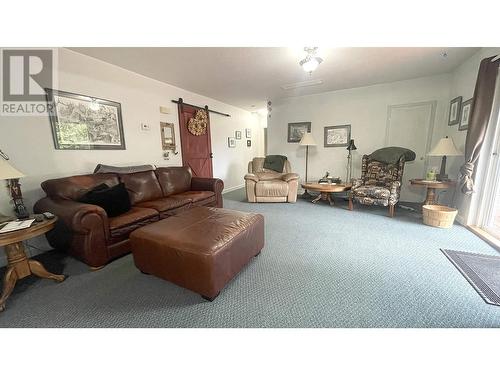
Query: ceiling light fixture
x,y
311,62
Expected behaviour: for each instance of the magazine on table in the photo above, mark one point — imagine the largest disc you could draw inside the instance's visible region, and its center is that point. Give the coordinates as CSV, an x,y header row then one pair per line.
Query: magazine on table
x,y
12,226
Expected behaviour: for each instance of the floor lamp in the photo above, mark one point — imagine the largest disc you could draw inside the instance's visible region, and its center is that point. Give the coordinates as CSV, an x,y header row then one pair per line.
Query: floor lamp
x,y
307,140
7,172
350,147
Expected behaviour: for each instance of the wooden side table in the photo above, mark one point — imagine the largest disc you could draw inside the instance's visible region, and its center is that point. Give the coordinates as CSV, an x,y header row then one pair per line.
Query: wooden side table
x,y
325,190
431,188
19,266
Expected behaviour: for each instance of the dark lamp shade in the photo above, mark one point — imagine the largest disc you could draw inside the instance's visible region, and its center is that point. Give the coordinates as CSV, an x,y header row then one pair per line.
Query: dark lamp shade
x,y
351,145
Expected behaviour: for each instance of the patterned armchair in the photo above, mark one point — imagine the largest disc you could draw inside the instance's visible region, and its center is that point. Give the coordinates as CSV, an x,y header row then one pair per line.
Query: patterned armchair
x,y
379,185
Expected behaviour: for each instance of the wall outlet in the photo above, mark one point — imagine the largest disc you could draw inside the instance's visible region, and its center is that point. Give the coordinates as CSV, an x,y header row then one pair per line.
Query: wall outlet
x,y
145,127
165,110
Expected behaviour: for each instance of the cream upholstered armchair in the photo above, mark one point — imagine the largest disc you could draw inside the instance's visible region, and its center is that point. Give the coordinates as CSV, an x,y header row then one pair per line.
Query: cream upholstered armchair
x,y
265,185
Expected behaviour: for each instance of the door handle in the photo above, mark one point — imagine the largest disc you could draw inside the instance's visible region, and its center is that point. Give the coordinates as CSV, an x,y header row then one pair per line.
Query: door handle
x,y
211,155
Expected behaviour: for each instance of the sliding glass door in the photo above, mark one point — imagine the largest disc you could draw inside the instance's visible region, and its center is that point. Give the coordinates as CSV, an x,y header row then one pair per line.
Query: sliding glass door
x,y
491,219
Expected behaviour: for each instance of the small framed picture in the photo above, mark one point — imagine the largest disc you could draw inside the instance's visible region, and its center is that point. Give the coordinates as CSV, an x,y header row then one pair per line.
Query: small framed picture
x,y
465,113
249,143
454,115
296,130
248,133
231,142
237,134
337,136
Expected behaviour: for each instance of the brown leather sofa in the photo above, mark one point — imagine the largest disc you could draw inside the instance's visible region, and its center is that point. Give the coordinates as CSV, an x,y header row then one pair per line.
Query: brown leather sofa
x,y
87,233
265,185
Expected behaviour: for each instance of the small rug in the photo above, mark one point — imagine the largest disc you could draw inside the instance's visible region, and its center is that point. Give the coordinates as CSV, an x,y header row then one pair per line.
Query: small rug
x,y
481,271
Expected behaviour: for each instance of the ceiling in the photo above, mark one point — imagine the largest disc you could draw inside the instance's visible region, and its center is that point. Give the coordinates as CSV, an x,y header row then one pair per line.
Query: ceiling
x,y
248,77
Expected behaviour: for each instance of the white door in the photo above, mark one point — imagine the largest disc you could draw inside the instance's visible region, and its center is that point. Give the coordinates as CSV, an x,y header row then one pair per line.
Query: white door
x,y
410,126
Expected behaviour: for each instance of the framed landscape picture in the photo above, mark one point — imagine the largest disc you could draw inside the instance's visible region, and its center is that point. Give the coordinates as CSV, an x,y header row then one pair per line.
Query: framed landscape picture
x,y
237,134
465,113
231,142
296,130
337,136
81,122
248,133
454,115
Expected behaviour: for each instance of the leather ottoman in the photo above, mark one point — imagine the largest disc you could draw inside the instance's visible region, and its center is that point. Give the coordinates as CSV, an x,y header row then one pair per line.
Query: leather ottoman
x,y
201,249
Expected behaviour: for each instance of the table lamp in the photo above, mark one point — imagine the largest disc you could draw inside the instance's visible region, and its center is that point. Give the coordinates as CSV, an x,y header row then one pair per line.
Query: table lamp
x,y
350,147
7,172
307,140
445,147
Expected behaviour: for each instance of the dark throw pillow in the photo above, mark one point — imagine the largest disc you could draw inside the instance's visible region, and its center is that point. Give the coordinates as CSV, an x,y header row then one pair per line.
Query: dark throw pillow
x,y
114,200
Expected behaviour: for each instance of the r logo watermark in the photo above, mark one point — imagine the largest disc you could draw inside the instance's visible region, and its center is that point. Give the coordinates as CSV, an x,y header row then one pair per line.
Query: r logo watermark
x,y
25,73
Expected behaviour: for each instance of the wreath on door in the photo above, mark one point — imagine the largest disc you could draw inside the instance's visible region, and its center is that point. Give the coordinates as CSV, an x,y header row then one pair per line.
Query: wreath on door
x,y
197,125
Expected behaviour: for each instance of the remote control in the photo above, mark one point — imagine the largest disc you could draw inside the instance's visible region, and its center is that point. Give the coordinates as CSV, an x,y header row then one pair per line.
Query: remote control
x,y
49,215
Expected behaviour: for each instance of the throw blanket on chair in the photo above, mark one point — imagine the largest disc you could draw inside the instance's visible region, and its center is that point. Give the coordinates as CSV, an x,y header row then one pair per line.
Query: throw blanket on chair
x,y
391,155
275,162
102,168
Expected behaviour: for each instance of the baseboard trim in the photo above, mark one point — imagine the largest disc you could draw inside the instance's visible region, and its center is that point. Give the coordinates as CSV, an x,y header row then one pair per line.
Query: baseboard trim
x,y
485,236
461,220
233,188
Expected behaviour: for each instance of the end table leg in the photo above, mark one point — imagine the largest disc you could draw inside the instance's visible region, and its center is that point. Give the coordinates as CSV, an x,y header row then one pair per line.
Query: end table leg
x,y
350,204
431,196
39,270
330,200
315,200
9,281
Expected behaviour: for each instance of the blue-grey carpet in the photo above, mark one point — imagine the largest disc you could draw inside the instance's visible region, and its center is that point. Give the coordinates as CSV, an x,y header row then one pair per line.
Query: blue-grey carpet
x,y
322,266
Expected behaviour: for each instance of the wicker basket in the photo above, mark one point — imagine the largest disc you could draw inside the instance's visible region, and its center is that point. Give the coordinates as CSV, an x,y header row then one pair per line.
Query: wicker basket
x,y
438,216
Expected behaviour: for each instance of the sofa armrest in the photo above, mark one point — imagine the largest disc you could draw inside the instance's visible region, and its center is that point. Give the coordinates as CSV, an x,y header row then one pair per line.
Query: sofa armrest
x,y
82,229
209,184
251,177
74,214
290,177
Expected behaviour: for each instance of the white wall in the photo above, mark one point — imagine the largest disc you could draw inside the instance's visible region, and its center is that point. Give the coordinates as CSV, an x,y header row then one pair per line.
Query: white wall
x,y
28,140
462,83
364,108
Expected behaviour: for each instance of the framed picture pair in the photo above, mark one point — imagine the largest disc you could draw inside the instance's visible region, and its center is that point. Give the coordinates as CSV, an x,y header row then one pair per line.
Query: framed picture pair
x,y
334,136
460,113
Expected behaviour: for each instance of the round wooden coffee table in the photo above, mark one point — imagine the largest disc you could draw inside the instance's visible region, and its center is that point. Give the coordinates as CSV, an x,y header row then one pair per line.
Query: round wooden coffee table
x,y
325,190
431,188
19,266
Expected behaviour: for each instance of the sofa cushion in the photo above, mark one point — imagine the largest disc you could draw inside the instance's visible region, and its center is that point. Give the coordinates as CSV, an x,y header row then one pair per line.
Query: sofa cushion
x,y
275,188
174,180
268,176
114,200
166,204
75,187
141,186
196,196
131,220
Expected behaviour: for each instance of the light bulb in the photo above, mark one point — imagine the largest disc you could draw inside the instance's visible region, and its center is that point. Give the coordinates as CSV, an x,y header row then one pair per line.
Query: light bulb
x,y
310,65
